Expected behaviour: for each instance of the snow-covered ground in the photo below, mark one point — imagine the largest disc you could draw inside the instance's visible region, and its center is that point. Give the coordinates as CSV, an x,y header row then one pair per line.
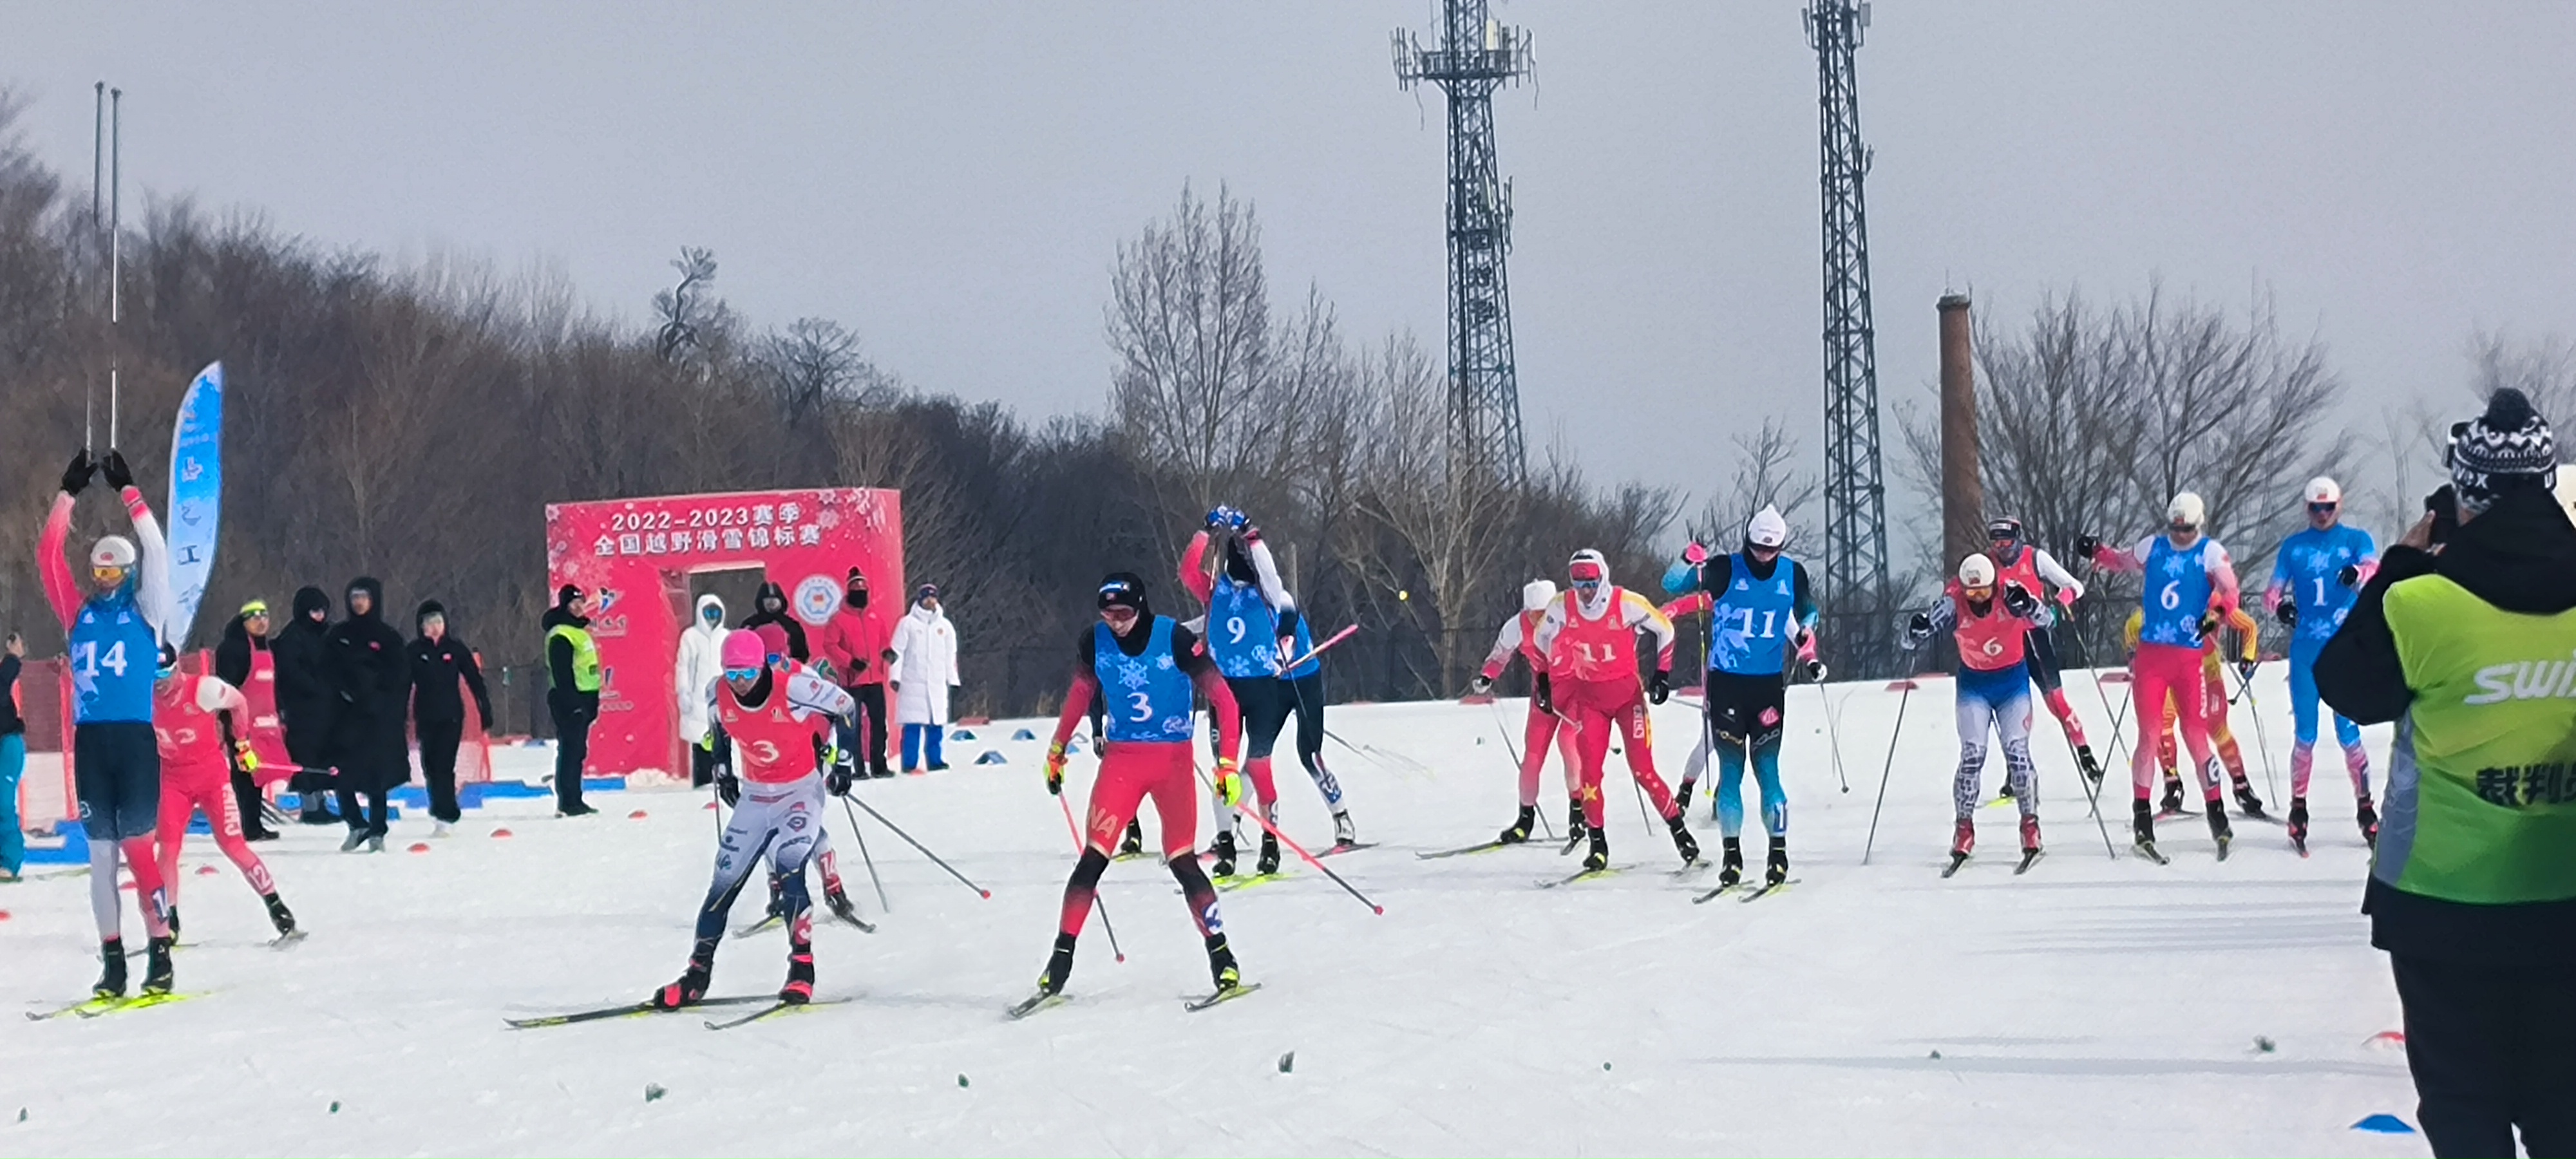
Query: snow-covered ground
x,y
2097,1005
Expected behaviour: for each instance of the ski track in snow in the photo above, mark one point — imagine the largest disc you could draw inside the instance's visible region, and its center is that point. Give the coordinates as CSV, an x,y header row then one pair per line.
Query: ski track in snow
x,y
2096,1005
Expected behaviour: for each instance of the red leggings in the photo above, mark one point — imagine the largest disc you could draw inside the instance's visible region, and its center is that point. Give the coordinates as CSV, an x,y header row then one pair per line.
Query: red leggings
x,y
182,795
2162,672
1542,728
1594,709
1133,771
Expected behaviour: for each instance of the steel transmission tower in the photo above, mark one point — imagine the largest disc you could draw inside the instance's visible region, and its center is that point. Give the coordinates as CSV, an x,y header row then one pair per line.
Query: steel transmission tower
x,y
1475,57
1855,495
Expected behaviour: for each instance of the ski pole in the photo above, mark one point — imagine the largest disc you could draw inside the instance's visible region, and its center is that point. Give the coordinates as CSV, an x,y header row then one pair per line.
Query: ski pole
x,y
871,862
1509,747
980,891
2245,684
2092,793
1890,767
1097,902
1284,839
2118,753
1832,739
1318,649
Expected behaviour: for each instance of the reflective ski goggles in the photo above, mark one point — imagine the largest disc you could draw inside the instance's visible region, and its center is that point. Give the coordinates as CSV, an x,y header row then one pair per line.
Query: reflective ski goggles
x,y
742,673
1979,595
107,577
2324,508
1584,573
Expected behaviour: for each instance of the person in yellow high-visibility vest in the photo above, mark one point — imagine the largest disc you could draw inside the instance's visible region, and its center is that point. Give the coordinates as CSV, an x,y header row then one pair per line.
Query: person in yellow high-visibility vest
x,y
572,697
2213,709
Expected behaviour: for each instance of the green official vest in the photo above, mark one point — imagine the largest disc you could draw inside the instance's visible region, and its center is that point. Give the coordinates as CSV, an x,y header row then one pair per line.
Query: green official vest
x,y
2482,780
585,656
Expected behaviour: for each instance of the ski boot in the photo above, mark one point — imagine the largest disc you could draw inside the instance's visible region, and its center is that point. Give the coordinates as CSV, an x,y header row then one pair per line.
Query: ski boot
x,y
1775,870
2369,819
2030,836
2218,828
777,910
157,977
1268,861
1963,841
278,915
1730,861
692,983
2247,802
1344,833
2092,768
838,901
1133,844
1574,823
1682,795
111,980
1221,966
1224,851
2171,804
2298,823
1599,858
1059,966
1520,827
170,917
2142,823
799,989
1683,842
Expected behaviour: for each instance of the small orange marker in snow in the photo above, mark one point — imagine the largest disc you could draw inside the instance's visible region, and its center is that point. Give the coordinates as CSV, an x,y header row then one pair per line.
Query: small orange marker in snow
x,y
420,847
637,815
500,833
205,871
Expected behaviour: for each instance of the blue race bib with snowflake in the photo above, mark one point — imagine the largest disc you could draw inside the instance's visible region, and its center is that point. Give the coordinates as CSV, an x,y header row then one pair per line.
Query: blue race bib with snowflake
x,y
1243,633
1750,623
1146,698
2176,593
2311,566
113,653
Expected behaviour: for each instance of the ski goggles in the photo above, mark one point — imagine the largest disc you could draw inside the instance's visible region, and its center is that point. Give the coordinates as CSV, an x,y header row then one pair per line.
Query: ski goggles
x,y
752,673
107,577
1584,573
1979,595
2324,508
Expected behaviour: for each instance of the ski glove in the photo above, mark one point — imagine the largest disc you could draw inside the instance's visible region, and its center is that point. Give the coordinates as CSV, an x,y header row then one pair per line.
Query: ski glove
x,y
2019,601
1479,686
2245,671
728,786
1229,784
2208,626
114,469
1226,518
844,771
2086,545
2287,611
1695,554
1055,769
1919,628
1660,689
2350,576
77,475
1542,695
1815,671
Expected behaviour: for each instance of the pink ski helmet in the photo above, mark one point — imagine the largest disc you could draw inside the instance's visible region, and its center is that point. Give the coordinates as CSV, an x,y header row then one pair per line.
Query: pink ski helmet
x,y
744,650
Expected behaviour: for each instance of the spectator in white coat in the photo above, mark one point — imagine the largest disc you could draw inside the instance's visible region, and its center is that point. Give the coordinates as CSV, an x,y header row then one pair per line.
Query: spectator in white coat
x,y
700,665
923,670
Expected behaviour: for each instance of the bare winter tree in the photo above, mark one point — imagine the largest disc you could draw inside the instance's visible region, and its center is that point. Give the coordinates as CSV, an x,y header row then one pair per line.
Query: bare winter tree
x,y
1766,474
1189,323
2543,369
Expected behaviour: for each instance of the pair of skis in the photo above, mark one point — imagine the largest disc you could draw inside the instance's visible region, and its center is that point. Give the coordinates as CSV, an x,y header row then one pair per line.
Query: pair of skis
x,y
769,1004
1043,1000
1757,893
95,1007
1957,859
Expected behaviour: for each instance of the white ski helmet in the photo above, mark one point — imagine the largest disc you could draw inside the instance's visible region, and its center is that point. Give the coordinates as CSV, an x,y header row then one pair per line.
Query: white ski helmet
x,y
1977,571
112,551
2186,510
1768,528
1536,594
2323,489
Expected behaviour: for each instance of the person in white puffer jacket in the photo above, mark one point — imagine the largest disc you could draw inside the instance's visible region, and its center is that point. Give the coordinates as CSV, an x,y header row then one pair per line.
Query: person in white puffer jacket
x,y
700,665
924,668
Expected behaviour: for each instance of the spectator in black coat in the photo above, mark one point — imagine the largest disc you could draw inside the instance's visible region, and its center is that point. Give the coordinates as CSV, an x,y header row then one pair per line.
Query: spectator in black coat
x,y
770,607
573,679
370,744
439,664
308,704
244,636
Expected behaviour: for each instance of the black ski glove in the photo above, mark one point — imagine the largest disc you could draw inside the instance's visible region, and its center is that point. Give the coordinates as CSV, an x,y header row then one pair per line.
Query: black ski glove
x,y
113,467
2086,545
2019,601
1541,695
2208,625
728,786
77,475
1479,686
2287,611
1919,628
837,781
2350,576
1660,689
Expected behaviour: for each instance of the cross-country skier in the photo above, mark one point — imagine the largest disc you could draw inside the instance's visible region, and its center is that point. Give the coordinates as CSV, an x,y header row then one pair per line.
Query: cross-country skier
x,y
2315,579
773,722
1253,632
1519,637
1760,605
115,639
1993,629
2036,572
2189,585
1589,636
196,773
1144,666
2213,709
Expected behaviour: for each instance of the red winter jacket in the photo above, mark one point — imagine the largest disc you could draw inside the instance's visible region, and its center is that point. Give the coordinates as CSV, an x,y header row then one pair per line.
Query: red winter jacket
x,y
854,636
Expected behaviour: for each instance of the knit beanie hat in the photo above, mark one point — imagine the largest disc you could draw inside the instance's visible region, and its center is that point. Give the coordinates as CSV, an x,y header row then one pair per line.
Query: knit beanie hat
x,y
2507,448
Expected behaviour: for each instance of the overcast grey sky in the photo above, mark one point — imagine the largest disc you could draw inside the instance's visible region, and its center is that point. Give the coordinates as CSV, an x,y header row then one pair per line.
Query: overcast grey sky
x,y
952,179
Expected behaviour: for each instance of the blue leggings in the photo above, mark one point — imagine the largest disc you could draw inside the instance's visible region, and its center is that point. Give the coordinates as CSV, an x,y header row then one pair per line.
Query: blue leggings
x,y
13,761
1729,799
919,736
2303,697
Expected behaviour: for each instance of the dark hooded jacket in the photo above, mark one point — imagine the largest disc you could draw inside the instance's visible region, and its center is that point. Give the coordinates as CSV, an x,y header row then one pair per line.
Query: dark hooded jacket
x,y
562,696
761,614
437,668
2518,557
233,652
307,700
371,742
